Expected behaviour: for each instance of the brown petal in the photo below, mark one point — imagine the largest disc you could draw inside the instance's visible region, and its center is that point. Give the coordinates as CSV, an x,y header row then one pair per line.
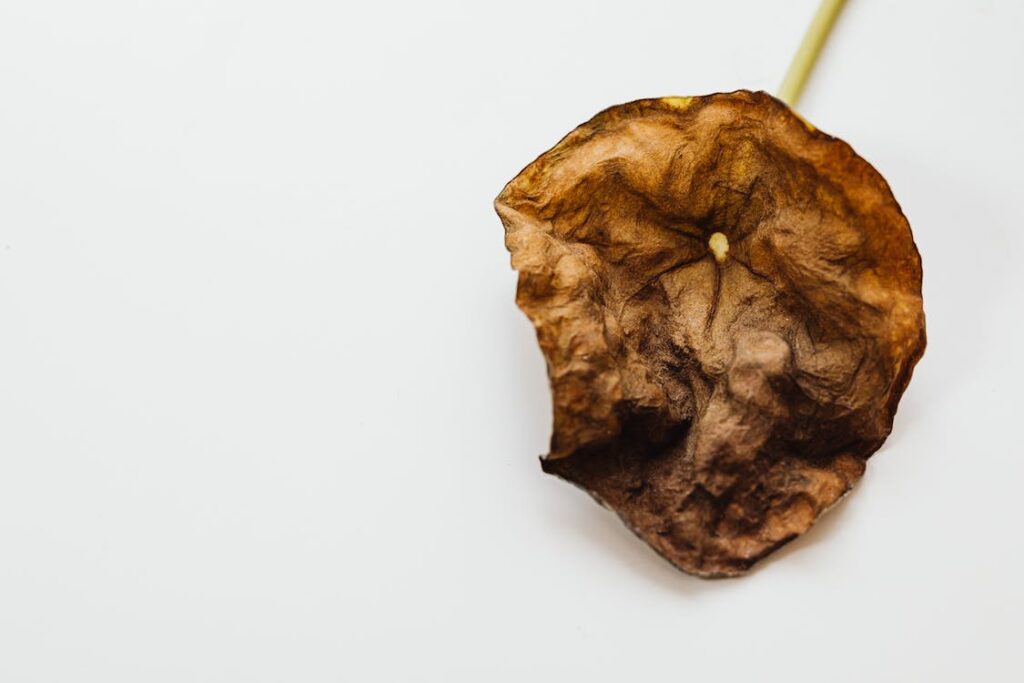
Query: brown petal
x,y
729,302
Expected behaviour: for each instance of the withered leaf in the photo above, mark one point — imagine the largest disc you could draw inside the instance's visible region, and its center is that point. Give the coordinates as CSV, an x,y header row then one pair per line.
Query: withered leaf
x,y
729,302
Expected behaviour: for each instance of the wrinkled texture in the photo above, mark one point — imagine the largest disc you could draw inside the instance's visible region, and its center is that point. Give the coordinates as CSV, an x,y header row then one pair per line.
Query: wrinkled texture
x,y
718,393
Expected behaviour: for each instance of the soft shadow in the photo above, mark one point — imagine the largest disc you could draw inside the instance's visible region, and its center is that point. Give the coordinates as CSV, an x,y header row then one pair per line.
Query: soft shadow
x,y
964,286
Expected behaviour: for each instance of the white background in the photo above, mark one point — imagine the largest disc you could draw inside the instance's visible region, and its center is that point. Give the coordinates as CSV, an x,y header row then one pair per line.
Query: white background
x,y
268,411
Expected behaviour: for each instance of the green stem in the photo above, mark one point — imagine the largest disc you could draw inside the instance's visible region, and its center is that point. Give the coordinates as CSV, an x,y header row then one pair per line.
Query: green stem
x,y
807,53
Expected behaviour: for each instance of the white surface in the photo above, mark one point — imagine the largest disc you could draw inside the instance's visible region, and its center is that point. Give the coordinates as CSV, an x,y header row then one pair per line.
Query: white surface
x,y
267,409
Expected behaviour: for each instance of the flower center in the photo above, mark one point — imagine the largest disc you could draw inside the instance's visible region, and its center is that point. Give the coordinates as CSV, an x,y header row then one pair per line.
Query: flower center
x,y
719,246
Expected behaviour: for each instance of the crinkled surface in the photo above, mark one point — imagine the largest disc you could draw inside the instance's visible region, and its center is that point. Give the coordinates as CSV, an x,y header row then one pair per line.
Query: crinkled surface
x,y
718,393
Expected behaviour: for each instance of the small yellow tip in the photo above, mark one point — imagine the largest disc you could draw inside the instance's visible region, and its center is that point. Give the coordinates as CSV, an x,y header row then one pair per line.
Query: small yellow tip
x,y
719,246
678,102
